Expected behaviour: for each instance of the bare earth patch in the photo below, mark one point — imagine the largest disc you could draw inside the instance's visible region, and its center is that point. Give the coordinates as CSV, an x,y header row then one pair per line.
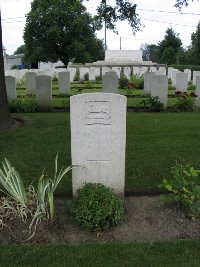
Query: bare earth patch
x,y
145,220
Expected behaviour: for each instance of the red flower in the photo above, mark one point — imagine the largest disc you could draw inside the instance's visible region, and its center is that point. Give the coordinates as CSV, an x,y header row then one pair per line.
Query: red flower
x,y
193,94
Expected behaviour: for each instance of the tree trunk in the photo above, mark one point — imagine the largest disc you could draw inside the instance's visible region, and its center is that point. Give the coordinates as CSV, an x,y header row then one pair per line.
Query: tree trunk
x,y
5,117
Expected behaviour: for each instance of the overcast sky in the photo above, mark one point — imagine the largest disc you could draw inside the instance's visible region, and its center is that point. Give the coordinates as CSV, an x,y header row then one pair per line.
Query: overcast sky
x,y
156,16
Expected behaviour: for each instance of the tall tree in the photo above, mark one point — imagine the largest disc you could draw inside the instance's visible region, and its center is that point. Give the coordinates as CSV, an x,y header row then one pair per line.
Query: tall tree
x,y
5,117
180,3
20,50
169,47
195,46
149,52
61,29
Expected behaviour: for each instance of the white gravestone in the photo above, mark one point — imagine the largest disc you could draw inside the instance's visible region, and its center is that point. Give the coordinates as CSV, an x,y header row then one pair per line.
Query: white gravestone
x,y
11,87
195,73
189,72
83,72
98,139
127,72
159,88
162,71
148,81
169,72
64,82
110,82
174,72
136,71
117,70
181,81
30,82
44,92
72,73
152,69
143,70
105,69
92,76
197,102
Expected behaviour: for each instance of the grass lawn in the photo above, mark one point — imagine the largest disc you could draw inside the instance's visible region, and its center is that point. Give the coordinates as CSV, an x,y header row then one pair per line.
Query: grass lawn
x,y
154,142
152,254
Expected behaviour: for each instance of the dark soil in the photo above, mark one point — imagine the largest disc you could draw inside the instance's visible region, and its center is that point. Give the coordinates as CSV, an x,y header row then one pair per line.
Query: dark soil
x,y
145,220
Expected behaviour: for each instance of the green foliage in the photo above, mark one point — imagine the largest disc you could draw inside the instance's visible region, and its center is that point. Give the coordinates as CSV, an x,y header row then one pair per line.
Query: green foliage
x,y
14,67
96,207
183,187
23,104
61,30
20,83
138,81
151,103
169,47
183,67
28,203
185,102
99,78
77,76
86,77
149,52
20,50
123,81
123,10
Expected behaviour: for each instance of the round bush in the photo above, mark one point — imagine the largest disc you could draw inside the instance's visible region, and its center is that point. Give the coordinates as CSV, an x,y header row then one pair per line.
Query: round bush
x,y
96,207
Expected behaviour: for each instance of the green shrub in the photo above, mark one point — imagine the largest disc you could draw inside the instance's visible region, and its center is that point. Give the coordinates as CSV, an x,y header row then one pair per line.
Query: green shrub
x,y
99,78
151,103
96,207
184,188
183,67
23,104
123,81
138,81
20,83
77,76
191,87
185,102
86,77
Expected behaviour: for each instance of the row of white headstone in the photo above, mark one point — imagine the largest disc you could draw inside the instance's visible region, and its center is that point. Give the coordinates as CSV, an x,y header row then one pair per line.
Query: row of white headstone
x,y
93,72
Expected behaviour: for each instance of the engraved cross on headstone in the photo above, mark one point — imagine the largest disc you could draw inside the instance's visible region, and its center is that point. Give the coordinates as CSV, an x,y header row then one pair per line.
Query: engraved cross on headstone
x,y
97,153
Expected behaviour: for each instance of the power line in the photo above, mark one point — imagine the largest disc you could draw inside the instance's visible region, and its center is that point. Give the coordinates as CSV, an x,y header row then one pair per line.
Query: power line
x,y
169,12
158,21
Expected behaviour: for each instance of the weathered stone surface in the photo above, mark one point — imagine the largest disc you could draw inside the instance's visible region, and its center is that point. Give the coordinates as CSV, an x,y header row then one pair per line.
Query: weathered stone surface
x,y
83,71
169,72
123,55
11,87
64,82
181,81
197,102
174,72
92,74
148,81
98,138
30,82
189,73
110,82
105,69
159,88
44,92
127,72
117,70
195,73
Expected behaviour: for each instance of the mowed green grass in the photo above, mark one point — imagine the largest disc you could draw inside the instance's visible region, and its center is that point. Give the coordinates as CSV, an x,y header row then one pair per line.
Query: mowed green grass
x,y
152,254
154,142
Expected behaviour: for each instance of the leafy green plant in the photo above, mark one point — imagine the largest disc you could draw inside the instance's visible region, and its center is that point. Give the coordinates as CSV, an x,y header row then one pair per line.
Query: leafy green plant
x,y
99,78
23,104
151,103
77,76
185,101
20,83
96,207
138,81
29,203
123,81
86,77
184,188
